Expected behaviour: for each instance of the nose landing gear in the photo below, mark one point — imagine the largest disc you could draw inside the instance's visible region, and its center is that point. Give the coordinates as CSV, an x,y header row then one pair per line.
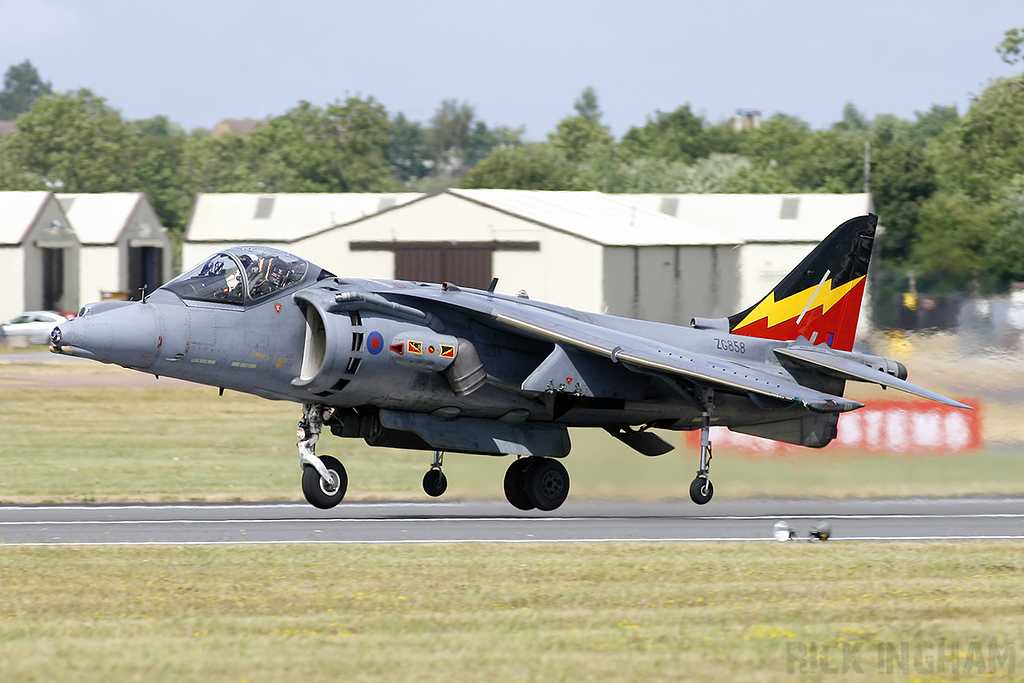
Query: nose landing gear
x,y
324,480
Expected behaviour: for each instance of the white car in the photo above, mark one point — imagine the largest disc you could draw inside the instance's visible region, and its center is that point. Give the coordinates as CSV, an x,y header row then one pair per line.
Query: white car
x,y
35,325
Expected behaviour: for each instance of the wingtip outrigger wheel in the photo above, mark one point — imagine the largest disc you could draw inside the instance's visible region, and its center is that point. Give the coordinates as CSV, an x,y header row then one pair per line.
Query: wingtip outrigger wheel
x,y
434,481
701,488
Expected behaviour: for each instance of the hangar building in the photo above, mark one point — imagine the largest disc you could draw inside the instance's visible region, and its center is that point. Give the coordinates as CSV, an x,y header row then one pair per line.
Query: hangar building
x,y
660,257
39,255
124,246
777,230
586,250
222,220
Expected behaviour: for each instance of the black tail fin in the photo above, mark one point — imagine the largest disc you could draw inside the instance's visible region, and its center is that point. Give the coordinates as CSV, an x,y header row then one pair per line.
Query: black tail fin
x,y
820,299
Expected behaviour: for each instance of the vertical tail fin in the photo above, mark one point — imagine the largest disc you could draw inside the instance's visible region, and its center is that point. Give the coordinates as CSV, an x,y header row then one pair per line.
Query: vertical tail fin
x,y
820,299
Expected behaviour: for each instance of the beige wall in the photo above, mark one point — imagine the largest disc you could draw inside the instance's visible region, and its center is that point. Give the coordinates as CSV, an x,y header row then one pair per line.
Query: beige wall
x,y
101,272
671,283
762,266
12,295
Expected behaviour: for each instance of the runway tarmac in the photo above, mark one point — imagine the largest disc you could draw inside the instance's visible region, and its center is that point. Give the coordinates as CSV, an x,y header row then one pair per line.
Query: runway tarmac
x,y
497,521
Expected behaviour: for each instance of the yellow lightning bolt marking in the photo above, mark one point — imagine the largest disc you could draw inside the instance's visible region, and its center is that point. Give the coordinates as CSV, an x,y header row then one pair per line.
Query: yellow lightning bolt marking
x,y
790,307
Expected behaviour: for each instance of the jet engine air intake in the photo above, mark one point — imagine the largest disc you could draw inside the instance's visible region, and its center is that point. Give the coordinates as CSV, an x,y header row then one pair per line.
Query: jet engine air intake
x,y
326,351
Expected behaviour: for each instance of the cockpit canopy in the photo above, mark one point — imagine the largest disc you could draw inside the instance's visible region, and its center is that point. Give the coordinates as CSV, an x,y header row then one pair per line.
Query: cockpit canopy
x,y
242,275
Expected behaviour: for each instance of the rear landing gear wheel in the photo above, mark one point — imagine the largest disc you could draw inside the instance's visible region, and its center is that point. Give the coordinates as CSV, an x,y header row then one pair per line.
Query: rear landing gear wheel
x,y
701,490
547,484
515,481
435,483
324,493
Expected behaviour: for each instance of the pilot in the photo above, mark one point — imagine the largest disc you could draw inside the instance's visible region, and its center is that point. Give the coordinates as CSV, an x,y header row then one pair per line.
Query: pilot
x,y
250,265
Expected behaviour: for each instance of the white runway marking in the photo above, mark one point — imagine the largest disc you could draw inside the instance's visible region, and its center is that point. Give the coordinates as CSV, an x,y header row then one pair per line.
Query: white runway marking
x,y
169,524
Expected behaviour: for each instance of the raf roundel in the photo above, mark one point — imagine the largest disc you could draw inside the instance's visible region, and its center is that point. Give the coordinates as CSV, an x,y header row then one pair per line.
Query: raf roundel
x,y
375,343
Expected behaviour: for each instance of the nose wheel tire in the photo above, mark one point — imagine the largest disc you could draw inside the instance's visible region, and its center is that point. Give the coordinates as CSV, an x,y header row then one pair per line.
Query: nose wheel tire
x,y
435,483
701,490
322,493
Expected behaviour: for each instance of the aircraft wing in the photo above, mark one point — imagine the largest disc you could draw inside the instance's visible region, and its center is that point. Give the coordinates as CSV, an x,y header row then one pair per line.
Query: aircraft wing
x,y
634,352
847,368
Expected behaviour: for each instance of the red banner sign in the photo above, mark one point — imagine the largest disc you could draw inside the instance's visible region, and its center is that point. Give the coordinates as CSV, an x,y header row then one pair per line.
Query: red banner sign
x,y
881,426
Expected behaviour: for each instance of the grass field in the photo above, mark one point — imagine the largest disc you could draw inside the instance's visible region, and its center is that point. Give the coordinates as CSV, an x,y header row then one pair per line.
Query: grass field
x,y
165,441
477,612
606,612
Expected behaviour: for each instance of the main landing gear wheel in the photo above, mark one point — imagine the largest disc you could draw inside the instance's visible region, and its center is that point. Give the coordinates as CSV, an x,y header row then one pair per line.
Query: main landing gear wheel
x,y
540,483
435,483
701,490
547,484
322,493
515,490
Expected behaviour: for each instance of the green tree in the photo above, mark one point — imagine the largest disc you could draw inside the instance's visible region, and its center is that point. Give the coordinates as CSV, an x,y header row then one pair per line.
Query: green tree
x,y
932,123
361,133
586,106
215,164
408,154
449,132
22,87
1005,249
531,166
1010,48
74,142
775,141
294,152
853,123
673,136
340,148
156,169
578,138
902,179
950,253
986,147
582,136
482,140
827,161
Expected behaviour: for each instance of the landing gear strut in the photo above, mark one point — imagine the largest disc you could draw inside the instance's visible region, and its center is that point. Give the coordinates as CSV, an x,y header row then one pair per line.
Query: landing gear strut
x,y
434,481
701,489
324,480
541,483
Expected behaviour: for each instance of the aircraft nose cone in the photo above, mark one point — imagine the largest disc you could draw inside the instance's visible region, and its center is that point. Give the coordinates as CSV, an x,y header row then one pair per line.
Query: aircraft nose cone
x,y
126,335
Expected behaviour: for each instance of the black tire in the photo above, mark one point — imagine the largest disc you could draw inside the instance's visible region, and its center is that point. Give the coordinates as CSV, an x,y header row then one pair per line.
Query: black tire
x,y
515,484
317,491
435,483
701,490
547,484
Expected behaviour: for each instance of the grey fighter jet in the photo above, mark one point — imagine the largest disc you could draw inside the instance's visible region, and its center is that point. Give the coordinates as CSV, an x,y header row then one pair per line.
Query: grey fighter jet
x,y
443,368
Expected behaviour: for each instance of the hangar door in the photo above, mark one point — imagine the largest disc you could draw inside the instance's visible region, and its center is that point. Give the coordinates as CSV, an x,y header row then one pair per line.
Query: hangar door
x,y
467,264
53,278
145,269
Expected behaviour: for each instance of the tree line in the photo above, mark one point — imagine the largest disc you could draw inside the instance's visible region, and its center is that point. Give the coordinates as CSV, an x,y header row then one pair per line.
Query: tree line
x,y
949,187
